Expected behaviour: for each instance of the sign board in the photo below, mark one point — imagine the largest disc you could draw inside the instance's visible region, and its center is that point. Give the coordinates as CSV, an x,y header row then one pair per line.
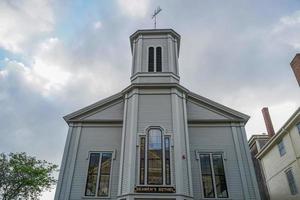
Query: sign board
x,y
154,189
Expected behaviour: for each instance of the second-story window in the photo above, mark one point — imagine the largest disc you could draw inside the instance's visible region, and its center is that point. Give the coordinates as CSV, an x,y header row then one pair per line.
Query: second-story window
x,y
281,148
155,59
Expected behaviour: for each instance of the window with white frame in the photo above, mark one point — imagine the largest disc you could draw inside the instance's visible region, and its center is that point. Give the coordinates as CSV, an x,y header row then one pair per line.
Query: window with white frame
x,y
281,148
155,54
291,181
213,175
99,173
155,158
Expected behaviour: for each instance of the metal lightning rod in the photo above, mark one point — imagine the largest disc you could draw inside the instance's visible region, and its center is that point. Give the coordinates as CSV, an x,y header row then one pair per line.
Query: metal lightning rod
x,y
156,11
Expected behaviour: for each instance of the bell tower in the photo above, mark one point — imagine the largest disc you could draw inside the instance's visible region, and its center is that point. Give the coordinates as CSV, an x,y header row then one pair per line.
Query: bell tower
x,y
155,55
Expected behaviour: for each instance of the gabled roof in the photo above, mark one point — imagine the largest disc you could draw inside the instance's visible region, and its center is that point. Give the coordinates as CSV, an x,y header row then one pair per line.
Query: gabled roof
x,y
95,106
229,114
226,111
282,131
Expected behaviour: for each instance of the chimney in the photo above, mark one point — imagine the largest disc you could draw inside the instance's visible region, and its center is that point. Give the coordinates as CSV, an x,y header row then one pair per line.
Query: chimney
x,y
268,121
295,64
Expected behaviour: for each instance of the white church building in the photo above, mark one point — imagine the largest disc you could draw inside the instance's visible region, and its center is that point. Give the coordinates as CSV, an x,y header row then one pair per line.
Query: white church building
x,y
156,139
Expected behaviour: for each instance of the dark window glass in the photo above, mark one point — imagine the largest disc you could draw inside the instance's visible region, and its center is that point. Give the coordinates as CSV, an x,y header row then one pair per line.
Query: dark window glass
x,y
155,167
207,178
281,148
90,189
151,59
167,161
158,59
291,181
298,127
219,176
142,161
103,187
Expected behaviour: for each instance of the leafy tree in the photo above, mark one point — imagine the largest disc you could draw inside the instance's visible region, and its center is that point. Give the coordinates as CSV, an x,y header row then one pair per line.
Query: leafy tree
x,y
25,177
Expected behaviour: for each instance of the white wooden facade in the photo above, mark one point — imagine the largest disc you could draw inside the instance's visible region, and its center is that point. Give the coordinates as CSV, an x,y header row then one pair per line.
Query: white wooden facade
x,y
155,100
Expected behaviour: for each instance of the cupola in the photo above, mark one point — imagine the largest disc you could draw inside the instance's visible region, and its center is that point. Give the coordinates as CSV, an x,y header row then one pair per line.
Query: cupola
x,y
155,55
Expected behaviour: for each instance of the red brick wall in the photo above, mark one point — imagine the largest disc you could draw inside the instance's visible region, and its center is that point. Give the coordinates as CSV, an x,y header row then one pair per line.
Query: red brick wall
x,y
295,64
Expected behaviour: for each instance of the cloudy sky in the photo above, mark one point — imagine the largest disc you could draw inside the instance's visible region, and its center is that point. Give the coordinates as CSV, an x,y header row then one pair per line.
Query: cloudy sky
x,y
59,56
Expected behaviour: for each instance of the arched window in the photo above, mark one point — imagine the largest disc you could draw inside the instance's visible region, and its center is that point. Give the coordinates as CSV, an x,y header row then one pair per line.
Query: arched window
x,y
155,157
155,163
158,59
151,59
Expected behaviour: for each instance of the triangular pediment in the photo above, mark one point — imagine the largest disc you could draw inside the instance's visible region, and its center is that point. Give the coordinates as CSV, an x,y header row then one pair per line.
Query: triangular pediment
x,y
199,112
202,109
109,109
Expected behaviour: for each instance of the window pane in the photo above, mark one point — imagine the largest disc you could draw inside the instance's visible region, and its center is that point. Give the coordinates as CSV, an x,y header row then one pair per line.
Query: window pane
x,y
155,169
151,59
167,161
90,189
142,161
104,174
281,148
219,176
291,181
298,127
207,180
158,59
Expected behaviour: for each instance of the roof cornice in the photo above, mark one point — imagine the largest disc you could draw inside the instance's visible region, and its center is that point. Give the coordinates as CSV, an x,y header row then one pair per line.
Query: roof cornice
x,y
154,32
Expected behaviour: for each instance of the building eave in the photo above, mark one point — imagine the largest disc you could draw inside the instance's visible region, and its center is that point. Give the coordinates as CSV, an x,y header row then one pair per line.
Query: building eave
x,y
282,131
69,118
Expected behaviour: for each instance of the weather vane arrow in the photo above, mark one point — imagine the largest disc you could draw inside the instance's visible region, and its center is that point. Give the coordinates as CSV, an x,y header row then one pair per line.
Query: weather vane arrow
x,y
156,11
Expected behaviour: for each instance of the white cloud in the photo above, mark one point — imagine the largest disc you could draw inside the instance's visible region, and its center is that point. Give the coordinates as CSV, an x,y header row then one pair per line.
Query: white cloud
x,y
287,30
21,21
134,8
97,25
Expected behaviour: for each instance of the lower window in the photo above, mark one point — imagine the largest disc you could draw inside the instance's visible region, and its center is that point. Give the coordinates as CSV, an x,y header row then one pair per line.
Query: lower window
x,y
213,175
98,176
291,181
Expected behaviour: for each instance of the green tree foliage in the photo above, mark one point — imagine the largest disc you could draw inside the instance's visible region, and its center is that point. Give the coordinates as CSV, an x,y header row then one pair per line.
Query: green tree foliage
x,y
25,177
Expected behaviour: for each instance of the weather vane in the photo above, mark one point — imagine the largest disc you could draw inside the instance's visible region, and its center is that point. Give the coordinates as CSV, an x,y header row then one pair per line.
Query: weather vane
x,y
156,11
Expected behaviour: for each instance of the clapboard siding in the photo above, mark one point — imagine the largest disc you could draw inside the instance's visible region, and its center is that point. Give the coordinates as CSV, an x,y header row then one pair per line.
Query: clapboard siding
x,y
111,112
154,110
215,139
200,112
246,164
96,139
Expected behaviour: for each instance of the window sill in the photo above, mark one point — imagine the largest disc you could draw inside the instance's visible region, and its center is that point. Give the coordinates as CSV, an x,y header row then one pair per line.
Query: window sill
x,y
88,197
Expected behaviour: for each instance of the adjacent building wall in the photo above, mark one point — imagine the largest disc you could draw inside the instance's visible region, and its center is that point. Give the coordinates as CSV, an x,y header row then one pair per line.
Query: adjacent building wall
x,y
275,166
